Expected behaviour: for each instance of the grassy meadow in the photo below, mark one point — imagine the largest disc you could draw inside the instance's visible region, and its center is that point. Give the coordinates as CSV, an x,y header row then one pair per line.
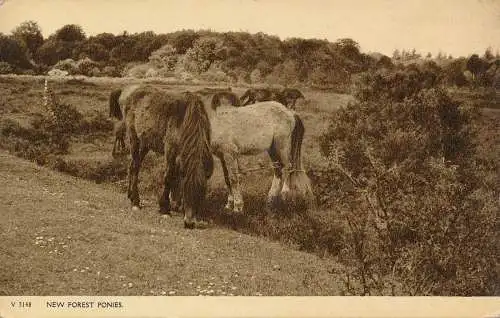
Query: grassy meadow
x,y
87,155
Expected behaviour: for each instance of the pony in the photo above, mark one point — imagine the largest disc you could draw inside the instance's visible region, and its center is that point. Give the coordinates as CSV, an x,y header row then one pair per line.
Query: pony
x,y
262,127
253,95
225,98
287,96
116,111
212,90
177,126
119,131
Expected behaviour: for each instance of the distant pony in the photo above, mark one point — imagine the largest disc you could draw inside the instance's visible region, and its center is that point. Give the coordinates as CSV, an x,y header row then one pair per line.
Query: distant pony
x,y
115,110
120,131
119,127
226,98
177,126
212,90
287,96
253,95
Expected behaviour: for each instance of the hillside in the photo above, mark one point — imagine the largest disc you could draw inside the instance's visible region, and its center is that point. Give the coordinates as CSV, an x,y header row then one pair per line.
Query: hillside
x,y
62,235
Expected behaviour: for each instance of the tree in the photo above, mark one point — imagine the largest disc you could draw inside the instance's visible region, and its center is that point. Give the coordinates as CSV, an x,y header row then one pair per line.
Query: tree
x,y
70,33
94,51
205,51
488,54
476,66
30,35
454,72
53,51
396,55
13,52
165,57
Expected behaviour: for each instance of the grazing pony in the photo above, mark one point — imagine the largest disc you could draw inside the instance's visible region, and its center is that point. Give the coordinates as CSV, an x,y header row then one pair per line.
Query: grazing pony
x,y
120,131
212,90
226,98
116,110
178,127
263,127
253,95
287,96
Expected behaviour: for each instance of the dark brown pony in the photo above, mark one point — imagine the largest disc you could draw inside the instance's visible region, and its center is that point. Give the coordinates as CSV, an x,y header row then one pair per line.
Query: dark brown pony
x,y
253,95
212,90
227,98
287,96
178,127
119,130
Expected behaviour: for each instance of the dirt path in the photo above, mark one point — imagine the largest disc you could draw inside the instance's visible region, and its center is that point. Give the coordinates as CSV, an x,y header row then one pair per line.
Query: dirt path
x,y
65,236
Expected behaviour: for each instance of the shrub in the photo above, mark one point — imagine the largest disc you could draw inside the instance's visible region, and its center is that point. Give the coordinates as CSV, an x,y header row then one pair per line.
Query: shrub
x,y
418,219
67,65
6,68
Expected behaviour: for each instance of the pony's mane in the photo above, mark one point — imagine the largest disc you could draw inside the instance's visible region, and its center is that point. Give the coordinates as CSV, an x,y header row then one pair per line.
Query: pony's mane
x,y
195,150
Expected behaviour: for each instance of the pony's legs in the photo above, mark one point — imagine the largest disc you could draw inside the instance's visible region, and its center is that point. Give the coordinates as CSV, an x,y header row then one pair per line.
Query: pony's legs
x,y
277,184
234,173
138,154
122,145
283,150
113,153
170,175
230,197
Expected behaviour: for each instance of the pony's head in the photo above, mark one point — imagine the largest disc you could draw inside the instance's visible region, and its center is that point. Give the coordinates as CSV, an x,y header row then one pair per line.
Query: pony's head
x,y
195,157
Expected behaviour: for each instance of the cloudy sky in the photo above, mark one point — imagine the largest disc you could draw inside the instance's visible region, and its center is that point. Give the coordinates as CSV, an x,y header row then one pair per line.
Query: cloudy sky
x,y
457,27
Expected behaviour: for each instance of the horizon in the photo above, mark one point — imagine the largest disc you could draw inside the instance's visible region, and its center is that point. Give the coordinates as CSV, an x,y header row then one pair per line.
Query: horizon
x,y
377,26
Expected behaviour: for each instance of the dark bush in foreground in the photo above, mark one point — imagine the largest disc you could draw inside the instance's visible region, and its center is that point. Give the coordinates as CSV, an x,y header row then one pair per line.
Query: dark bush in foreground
x,y
419,218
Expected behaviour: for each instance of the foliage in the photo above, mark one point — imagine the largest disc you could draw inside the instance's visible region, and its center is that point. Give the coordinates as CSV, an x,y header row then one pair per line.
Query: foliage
x,y
420,220
30,35
70,33
13,52
5,68
165,57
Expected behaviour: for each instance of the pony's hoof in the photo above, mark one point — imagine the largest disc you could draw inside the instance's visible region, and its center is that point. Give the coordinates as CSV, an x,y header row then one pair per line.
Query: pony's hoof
x,y
135,208
165,212
189,225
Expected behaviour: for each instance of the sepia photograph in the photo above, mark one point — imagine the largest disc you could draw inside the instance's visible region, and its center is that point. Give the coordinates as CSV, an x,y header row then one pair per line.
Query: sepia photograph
x,y
248,148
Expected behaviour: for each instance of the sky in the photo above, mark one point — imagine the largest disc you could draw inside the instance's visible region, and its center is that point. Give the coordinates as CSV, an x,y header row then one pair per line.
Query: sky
x,y
457,27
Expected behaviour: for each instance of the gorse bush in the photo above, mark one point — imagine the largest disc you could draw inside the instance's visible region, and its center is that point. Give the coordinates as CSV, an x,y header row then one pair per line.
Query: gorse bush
x,y
419,219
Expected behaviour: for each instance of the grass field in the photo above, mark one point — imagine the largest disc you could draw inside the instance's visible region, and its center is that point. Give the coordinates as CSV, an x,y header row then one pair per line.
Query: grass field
x,y
66,235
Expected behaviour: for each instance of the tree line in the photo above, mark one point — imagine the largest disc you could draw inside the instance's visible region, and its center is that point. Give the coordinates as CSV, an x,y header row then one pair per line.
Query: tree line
x,y
217,56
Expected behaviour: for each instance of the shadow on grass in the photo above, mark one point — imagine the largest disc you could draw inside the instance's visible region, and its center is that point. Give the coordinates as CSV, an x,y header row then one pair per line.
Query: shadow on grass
x,y
312,231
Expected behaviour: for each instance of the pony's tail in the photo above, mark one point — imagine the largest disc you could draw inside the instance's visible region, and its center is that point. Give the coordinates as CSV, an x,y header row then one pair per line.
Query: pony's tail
x,y
298,181
195,154
114,106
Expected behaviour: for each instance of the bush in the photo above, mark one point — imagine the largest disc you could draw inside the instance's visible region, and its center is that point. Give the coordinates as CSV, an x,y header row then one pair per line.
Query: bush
x,y
37,144
6,68
67,65
418,219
